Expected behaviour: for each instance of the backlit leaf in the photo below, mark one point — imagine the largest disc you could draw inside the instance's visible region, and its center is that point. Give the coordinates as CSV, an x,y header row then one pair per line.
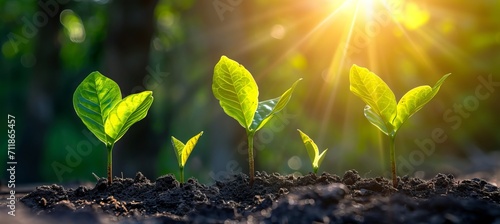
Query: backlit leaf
x,y
312,151
93,100
414,100
178,148
376,120
311,147
127,112
374,92
320,159
236,90
187,149
268,108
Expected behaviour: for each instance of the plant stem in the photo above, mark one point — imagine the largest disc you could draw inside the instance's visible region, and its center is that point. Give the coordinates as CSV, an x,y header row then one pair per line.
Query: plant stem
x,y
250,157
182,174
110,163
393,160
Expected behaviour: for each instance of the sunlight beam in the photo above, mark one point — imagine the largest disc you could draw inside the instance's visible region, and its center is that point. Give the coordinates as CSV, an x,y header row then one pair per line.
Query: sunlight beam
x,y
306,37
333,76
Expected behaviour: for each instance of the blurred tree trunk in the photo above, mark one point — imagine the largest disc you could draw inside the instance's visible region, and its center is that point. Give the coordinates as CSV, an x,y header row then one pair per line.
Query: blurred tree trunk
x,y
131,27
40,105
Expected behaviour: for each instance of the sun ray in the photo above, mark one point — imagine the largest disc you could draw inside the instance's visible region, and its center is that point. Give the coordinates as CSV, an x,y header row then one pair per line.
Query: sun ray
x,y
333,35
333,76
303,40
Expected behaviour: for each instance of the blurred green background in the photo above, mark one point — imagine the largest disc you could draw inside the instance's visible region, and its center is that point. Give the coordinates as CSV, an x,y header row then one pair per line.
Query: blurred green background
x,y
171,46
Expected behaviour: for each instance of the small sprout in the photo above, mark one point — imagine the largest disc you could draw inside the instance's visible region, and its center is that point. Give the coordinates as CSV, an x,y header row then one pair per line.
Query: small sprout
x,y
238,94
182,151
382,110
99,104
312,150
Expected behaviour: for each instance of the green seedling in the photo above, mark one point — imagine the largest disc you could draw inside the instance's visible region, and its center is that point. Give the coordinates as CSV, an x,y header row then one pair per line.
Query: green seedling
x,y
237,92
312,150
98,102
382,110
182,151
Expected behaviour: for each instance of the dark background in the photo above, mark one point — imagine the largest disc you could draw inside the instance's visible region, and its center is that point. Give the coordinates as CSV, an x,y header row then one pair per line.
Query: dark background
x,y
171,47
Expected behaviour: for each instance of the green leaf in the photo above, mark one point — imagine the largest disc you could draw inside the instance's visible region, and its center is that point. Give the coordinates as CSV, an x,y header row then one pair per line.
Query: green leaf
x,y
320,159
374,92
127,112
414,100
268,108
92,101
376,120
311,147
236,91
182,151
178,148
312,151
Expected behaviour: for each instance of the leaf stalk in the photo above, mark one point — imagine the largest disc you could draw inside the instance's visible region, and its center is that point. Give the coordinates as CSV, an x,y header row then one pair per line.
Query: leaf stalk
x,y
181,168
109,147
393,160
250,157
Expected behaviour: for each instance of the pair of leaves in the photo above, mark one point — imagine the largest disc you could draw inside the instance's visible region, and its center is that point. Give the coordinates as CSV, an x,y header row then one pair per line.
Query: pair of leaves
x,y
238,94
381,109
99,104
182,151
312,150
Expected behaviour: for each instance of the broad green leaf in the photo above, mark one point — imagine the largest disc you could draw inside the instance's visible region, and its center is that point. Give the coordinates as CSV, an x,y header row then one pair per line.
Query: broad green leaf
x,y
312,151
374,92
182,151
376,120
236,91
127,112
268,108
93,100
410,103
414,100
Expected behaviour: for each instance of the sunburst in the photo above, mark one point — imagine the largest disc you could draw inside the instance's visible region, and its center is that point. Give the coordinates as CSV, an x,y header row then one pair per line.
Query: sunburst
x,y
391,37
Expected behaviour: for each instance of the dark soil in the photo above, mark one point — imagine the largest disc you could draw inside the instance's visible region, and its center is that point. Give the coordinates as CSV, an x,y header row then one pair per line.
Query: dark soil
x,y
272,199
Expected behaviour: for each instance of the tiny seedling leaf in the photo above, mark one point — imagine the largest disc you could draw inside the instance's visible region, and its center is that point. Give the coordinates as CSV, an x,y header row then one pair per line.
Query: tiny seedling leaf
x,y
320,159
182,151
374,92
414,100
127,112
92,101
312,151
178,148
236,90
268,108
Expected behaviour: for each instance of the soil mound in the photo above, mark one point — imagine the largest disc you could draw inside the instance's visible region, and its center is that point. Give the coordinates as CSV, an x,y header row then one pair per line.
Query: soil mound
x,y
273,198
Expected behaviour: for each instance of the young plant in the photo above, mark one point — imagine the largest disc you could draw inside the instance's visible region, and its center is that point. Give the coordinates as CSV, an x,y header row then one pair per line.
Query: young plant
x,y
312,150
382,110
238,94
182,151
98,102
